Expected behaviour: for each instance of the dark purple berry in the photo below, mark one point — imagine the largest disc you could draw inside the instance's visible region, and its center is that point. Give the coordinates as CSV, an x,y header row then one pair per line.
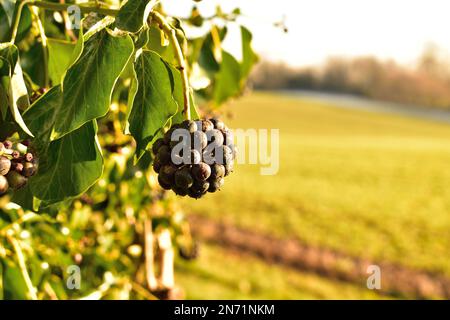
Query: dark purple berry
x,y
201,171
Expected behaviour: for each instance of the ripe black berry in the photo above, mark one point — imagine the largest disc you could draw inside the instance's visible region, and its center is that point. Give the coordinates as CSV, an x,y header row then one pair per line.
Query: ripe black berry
x,y
207,125
156,145
201,171
199,140
183,178
164,184
215,136
164,154
194,157
189,125
218,124
167,173
29,169
216,184
217,170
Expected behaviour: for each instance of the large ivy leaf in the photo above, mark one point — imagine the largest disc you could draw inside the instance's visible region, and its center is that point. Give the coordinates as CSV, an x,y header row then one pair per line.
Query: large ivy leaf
x,y
14,85
59,58
89,82
156,99
228,78
249,57
134,14
68,166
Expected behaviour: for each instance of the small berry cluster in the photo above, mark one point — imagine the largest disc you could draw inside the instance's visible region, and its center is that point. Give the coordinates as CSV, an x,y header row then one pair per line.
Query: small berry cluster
x,y
16,166
193,157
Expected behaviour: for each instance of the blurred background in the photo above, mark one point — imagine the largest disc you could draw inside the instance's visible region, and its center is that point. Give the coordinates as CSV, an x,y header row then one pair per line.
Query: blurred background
x,y
360,91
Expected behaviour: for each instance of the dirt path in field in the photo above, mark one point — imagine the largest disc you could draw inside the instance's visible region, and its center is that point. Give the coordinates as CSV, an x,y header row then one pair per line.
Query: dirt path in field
x,y
396,280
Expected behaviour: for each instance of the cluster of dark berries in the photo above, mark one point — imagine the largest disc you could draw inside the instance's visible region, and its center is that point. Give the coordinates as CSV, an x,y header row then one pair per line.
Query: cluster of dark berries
x,y
193,157
16,166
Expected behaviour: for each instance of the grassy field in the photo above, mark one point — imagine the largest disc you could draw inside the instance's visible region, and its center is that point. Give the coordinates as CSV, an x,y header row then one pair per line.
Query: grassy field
x,y
220,274
367,184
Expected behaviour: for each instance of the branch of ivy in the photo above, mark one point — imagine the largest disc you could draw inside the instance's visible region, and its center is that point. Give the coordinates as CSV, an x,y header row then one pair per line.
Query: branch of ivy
x,y
35,13
171,33
22,266
54,7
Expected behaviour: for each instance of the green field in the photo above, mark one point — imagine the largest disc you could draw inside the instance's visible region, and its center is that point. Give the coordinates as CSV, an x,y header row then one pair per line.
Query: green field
x,y
220,274
367,184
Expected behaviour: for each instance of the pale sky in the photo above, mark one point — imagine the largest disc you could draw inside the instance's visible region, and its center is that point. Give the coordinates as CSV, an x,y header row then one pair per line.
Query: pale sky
x,y
389,29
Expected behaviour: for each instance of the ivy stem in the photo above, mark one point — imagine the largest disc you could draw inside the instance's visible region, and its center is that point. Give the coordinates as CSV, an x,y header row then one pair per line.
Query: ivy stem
x,y
54,7
44,46
171,33
22,266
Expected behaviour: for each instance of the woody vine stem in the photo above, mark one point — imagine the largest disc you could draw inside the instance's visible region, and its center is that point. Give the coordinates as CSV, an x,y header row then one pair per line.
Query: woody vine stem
x,y
157,17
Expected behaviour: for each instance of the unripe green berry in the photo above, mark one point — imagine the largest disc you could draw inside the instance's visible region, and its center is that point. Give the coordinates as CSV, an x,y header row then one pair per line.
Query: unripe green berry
x,y
4,185
201,171
16,180
5,166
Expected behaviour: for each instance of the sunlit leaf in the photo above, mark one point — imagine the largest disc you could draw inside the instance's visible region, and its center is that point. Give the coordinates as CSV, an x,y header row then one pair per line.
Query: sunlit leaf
x,y
134,14
227,79
156,99
88,84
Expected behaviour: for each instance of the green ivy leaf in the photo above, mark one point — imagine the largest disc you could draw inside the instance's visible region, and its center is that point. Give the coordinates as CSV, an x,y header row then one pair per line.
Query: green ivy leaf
x,y
228,78
68,166
14,85
156,100
88,84
134,14
7,8
59,54
249,57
